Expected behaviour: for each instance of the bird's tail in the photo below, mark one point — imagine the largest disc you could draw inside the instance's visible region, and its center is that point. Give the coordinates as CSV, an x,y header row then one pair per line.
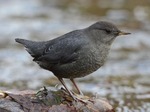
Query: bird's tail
x,y
35,49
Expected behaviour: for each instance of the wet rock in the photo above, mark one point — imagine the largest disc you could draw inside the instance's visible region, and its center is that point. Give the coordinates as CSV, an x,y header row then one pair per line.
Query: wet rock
x,y
51,100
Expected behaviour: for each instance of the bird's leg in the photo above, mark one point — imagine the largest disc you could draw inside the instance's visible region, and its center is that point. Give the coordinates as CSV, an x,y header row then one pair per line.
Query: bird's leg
x,y
70,93
63,83
80,92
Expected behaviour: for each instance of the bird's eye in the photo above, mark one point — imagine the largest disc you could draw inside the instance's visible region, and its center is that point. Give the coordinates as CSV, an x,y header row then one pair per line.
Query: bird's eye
x,y
108,31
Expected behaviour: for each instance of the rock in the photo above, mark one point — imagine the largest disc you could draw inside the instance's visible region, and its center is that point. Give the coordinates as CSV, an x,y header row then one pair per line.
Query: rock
x,y
51,100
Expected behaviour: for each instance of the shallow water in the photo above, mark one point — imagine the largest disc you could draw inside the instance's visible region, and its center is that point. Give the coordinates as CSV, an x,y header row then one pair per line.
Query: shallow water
x,y
123,80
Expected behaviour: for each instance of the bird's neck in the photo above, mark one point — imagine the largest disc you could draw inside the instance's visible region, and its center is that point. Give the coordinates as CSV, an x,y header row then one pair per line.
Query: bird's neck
x,y
94,36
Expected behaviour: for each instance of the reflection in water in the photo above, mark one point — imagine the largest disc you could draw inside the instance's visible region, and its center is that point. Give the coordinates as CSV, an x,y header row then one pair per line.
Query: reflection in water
x,y
124,79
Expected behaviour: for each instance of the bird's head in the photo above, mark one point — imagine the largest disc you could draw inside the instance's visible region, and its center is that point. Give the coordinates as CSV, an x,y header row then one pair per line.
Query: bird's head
x,y
105,32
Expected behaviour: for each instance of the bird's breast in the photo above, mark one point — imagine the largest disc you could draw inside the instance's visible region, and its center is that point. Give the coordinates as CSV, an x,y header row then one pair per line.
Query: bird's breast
x,y
97,57
91,60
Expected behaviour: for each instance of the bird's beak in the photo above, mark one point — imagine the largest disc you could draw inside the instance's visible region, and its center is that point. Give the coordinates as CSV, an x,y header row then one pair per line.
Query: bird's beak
x,y
123,33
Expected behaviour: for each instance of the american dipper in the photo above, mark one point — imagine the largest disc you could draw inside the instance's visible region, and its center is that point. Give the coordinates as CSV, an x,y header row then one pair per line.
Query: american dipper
x,y
75,54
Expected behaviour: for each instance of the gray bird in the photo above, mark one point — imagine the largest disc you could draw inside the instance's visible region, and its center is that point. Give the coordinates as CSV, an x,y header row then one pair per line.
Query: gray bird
x,y
75,54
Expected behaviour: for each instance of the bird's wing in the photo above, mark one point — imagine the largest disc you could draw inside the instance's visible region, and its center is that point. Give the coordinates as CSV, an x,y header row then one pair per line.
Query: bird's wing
x,y
62,50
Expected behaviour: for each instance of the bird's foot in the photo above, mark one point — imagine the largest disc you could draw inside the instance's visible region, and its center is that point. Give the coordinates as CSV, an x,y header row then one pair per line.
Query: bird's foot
x,y
83,99
76,97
